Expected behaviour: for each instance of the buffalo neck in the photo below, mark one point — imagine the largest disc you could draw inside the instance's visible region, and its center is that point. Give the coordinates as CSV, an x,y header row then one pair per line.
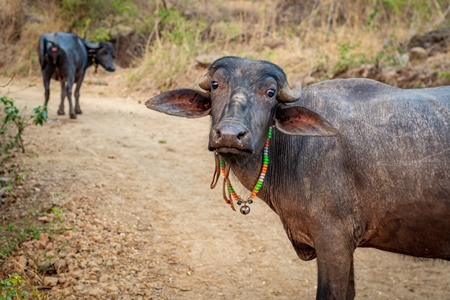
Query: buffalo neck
x,y
90,61
280,176
247,170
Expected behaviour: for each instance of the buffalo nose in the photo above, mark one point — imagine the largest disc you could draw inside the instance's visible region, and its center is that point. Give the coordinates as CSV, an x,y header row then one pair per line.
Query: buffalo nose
x,y
111,69
230,135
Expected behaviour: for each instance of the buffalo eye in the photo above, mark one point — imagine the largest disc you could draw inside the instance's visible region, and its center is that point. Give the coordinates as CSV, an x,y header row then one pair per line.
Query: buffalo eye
x,y
270,93
214,85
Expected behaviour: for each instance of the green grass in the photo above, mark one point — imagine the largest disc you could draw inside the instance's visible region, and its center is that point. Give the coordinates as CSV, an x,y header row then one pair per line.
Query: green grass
x,y
13,234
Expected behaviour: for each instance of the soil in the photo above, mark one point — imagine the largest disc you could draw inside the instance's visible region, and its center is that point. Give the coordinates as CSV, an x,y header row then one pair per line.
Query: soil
x,y
132,188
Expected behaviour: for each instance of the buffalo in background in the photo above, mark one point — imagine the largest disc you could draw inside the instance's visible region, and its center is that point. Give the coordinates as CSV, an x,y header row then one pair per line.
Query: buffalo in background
x,y
65,57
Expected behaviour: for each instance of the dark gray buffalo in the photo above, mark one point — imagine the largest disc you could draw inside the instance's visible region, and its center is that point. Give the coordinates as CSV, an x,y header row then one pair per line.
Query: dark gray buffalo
x,y
65,58
353,162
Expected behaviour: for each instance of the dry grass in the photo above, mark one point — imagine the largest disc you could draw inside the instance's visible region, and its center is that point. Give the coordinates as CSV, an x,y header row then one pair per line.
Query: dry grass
x,y
20,27
330,36
315,36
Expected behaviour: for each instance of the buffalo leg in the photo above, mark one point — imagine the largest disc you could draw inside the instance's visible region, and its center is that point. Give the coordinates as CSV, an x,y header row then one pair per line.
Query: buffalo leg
x,y
335,268
69,85
77,95
63,96
46,75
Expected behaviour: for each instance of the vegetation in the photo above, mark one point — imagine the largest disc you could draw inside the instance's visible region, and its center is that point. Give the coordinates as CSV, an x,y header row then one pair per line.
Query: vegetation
x,y
13,123
14,234
301,36
12,126
82,16
19,286
13,288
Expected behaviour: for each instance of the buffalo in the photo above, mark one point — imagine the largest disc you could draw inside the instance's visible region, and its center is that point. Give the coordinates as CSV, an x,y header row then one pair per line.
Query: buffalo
x,y
347,163
65,58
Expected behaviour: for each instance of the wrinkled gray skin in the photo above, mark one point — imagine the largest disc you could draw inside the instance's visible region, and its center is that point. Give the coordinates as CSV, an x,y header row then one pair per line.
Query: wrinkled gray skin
x,y
68,62
380,178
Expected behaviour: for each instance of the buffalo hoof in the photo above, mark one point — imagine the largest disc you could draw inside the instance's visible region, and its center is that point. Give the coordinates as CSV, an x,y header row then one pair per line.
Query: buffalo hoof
x,y
79,112
61,112
73,115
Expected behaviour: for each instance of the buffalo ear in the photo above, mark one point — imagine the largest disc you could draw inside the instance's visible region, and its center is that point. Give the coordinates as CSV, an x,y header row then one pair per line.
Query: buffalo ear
x,y
186,103
297,120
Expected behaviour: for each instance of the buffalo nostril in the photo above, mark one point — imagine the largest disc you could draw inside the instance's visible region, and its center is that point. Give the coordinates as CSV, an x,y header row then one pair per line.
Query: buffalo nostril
x,y
218,134
240,135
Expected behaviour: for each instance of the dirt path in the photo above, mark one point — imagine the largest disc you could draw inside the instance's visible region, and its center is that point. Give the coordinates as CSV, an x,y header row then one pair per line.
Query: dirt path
x,y
135,185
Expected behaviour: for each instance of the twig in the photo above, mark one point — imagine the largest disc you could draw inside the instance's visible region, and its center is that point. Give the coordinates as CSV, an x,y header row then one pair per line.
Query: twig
x,y
330,17
164,4
8,81
24,267
439,10
155,28
22,89
157,32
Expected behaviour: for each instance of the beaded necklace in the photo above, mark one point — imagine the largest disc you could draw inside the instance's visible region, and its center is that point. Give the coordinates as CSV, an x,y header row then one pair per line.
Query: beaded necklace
x,y
230,193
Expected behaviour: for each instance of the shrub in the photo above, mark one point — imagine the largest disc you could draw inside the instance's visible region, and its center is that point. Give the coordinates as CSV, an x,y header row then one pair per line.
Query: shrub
x,y
13,123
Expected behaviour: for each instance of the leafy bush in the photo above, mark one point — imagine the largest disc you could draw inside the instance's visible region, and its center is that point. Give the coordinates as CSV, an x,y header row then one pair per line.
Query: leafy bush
x,y
97,18
178,41
13,123
347,58
12,288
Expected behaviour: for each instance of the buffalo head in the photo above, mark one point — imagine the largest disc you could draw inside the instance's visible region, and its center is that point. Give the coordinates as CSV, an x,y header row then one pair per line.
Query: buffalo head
x,y
243,97
101,54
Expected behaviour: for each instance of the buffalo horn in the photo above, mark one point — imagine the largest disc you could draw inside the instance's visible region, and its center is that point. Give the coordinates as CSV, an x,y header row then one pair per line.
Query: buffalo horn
x,y
91,45
287,95
205,82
